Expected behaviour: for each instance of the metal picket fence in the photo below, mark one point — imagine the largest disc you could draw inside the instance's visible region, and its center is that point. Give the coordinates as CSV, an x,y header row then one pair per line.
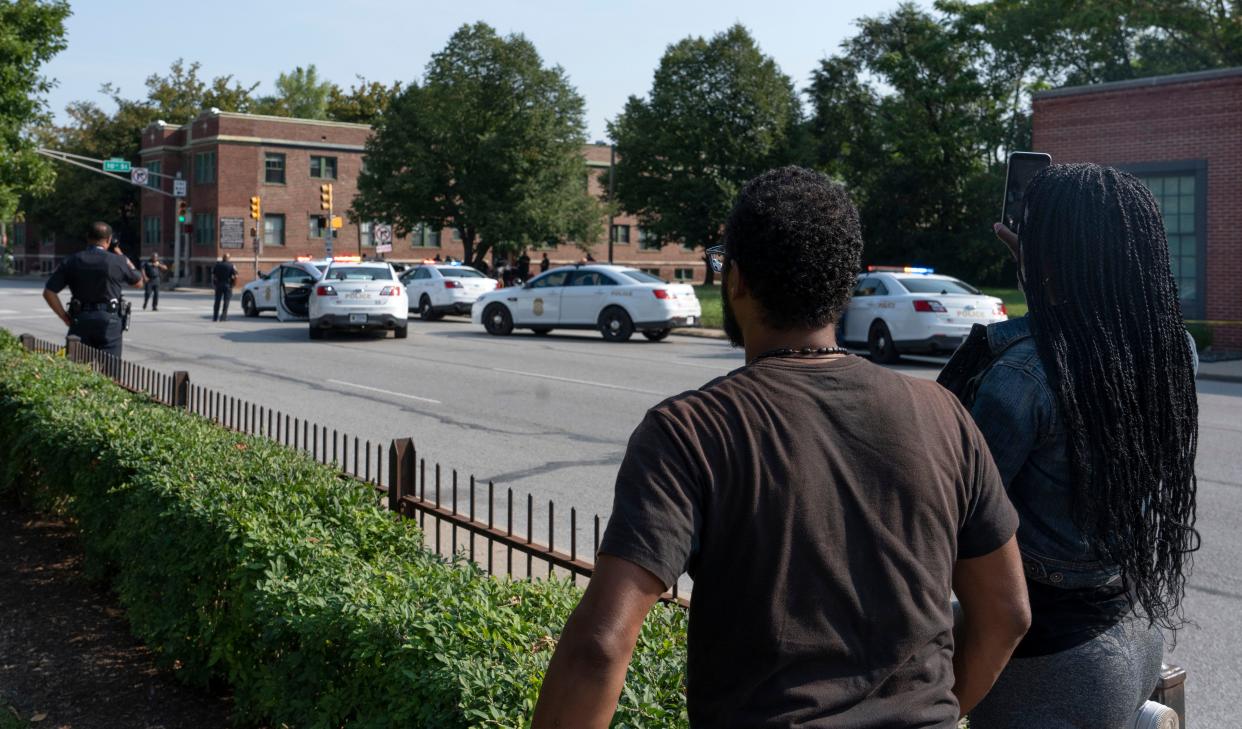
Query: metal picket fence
x,y
458,514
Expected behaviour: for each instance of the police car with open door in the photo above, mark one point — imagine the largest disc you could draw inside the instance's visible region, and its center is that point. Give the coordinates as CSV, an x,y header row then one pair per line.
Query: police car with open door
x,y
351,295
616,301
262,293
908,310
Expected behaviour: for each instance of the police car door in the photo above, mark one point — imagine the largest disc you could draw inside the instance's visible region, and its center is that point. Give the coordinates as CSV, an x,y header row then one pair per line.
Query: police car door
x,y
539,302
861,310
293,288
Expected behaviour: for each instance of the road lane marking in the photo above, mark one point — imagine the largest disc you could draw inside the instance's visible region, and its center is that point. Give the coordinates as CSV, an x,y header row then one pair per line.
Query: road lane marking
x,y
9,311
588,383
386,392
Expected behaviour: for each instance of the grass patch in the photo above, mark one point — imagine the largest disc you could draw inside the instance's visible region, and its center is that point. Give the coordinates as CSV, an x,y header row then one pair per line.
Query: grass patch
x,y
1015,301
10,719
709,299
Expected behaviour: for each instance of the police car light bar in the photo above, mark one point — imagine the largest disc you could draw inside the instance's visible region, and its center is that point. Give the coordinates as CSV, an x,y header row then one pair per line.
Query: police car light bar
x,y
302,259
346,259
900,269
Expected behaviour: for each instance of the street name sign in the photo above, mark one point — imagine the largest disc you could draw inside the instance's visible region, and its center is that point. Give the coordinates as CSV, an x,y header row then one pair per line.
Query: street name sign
x,y
116,164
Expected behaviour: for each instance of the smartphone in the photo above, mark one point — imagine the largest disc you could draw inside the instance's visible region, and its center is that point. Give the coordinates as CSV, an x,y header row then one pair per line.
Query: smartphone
x,y
1021,168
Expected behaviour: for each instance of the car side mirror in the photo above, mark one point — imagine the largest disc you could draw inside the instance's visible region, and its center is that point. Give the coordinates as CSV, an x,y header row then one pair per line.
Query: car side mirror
x,y
261,275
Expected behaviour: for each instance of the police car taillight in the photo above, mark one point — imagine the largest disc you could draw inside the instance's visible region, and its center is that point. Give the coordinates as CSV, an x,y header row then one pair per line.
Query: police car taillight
x,y
1001,310
325,291
390,291
661,293
451,284
928,306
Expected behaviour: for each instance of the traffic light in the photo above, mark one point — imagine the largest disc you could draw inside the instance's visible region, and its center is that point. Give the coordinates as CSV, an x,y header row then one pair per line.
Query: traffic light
x,y
182,211
325,196
254,208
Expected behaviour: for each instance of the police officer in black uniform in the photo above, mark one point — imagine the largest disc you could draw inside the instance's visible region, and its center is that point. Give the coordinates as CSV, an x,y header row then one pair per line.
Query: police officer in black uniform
x,y
94,277
223,278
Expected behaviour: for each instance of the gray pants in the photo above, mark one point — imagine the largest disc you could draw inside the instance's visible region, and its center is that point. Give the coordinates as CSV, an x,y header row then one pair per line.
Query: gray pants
x,y
1097,685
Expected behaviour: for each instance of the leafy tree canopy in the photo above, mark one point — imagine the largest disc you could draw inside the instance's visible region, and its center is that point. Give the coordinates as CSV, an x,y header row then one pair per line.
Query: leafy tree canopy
x,y
300,94
363,103
490,143
31,33
719,112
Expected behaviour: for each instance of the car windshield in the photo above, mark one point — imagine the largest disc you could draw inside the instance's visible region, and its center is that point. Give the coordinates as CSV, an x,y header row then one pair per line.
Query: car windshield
x,y
921,285
360,273
459,272
641,276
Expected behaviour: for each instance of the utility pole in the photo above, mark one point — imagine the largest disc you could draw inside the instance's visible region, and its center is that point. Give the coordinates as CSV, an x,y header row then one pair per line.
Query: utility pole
x,y
612,188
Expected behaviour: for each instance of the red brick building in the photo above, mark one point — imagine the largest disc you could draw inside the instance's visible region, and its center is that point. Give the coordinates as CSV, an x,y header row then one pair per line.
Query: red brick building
x,y
1182,134
227,158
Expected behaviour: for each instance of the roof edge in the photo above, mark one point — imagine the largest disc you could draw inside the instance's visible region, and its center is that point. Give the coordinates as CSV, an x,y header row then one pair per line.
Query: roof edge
x,y
1138,83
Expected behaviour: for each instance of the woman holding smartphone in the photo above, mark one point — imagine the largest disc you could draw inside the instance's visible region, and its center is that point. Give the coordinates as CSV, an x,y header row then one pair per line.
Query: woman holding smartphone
x,y
1089,408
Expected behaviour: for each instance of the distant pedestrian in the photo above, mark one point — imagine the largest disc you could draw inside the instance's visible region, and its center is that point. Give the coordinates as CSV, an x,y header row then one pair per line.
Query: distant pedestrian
x,y
151,291
94,277
437,259
523,266
544,263
824,506
223,278
590,258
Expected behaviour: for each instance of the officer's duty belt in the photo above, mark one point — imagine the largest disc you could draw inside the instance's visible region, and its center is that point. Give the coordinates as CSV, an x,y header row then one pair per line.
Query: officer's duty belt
x,y
111,306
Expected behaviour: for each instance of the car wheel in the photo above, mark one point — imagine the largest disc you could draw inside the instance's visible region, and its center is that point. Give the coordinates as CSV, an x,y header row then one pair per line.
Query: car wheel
x,y
424,309
316,332
880,342
497,320
401,332
616,325
248,306
657,335
541,330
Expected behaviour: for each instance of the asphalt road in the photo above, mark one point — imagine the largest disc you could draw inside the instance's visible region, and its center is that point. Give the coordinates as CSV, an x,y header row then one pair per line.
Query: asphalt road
x,y
550,416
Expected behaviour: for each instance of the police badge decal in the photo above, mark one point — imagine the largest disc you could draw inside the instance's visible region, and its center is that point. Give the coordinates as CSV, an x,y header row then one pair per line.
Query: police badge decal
x,y
537,307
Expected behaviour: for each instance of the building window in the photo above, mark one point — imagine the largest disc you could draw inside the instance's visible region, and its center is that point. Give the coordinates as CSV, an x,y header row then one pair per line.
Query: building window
x,y
621,234
648,240
323,167
683,274
653,271
204,229
1181,198
273,230
19,235
456,234
204,168
151,230
154,168
274,168
365,237
424,236
318,225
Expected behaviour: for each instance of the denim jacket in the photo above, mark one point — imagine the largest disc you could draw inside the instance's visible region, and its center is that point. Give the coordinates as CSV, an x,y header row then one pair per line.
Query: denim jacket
x,y
1017,412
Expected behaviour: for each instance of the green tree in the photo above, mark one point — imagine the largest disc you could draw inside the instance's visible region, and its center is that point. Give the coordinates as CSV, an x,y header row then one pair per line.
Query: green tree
x,y
490,143
363,104
719,112
299,94
31,32
923,159
182,95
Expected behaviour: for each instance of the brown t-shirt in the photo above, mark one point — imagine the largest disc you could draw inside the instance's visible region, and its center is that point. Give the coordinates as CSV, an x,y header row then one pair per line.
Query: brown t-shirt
x,y
820,507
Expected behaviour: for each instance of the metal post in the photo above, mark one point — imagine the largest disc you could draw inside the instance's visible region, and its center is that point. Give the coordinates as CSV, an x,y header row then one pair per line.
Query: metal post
x,y
612,188
400,471
73,348
181,389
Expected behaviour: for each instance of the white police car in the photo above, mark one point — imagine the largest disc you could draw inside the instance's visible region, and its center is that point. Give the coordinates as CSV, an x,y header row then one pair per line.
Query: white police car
x,y
262,293
906,310
350,295
436,289
615,300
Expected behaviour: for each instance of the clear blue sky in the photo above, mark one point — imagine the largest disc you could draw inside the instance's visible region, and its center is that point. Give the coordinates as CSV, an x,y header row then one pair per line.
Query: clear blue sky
x,y
608,48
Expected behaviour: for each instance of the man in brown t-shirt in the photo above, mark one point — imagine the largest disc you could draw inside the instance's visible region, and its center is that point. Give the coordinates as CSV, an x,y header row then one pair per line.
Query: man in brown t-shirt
x,y
825,507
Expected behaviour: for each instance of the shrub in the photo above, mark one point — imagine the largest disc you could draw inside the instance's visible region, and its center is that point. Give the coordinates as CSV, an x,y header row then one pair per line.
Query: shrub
x,y
243,562
1202,334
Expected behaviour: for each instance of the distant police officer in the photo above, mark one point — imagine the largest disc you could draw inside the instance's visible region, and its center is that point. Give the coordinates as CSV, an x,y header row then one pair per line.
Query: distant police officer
x,y
151,270
223,277
94,277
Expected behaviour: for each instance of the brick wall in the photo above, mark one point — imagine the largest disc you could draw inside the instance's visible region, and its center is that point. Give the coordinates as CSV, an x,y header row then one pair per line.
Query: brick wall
x,y
1192,117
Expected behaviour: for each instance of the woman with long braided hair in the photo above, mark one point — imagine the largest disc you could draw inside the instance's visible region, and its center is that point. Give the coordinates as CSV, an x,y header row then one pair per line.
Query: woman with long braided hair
x,y
1090,411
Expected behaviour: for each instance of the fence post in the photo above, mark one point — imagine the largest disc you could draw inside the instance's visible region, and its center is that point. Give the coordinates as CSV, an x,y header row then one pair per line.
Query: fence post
x,y
73,348
181,389
400,471
27,341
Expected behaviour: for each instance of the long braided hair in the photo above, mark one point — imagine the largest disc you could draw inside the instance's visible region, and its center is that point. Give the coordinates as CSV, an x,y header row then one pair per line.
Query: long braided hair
x,y
1107,322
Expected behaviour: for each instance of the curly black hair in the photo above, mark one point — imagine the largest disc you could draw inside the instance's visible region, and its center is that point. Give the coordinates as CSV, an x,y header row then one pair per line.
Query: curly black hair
x,y
794,234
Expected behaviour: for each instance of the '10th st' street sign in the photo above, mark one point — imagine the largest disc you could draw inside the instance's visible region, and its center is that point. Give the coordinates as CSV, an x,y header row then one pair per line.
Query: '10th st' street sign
x,y
116,165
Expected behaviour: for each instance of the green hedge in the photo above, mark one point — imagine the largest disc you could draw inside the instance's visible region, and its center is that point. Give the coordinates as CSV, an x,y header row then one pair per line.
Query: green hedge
x,y
244,562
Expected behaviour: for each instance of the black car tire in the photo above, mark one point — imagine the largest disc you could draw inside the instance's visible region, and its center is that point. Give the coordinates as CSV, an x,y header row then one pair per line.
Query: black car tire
x,y
401,332
880,342
497,320
657,335
316,332
541,330
425,312
249,308
615,324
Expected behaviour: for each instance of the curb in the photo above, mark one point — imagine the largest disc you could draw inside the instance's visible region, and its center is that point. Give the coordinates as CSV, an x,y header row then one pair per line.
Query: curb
x,y
697,333
1233,379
